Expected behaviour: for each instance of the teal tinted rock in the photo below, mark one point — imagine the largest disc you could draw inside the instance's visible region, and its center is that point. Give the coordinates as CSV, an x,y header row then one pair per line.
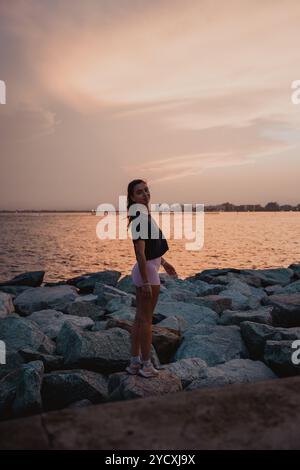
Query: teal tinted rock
x,y
190,313
41,298
28,392
62,388
278,356
187,370
256,335
259,315
234,371
212,343
51,321
19,333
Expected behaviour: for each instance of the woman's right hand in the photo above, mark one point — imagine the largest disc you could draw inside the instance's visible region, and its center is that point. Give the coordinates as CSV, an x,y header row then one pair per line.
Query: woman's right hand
x,y
147,291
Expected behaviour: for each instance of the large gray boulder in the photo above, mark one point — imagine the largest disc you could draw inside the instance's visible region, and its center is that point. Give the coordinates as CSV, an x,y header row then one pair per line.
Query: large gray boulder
x,y
19,333
286,310
118,303
184,289
100,325
279,356
259,315
125,284
239,301
51,321
28,393
41,298
171,282
164,340
218,277
20,391
271,276
31,279
124,313
257,277
62,388
275,289
14,291
293,288
243,295
86,283
87,299
103,351
50,361
111,292
246,277
122,386
218,303
6,304
204,288
213,344
8,386
295,267
174,323
174,294
190,313
105,293
256,335
234,371
82,308
212,276
187,370
12,360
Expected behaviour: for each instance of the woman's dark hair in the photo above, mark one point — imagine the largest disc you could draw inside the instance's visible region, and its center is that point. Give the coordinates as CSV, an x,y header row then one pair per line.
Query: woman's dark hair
x,y
130,189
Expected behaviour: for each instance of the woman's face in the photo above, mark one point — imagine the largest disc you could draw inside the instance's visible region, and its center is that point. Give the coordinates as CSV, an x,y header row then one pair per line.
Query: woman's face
x,y
141,194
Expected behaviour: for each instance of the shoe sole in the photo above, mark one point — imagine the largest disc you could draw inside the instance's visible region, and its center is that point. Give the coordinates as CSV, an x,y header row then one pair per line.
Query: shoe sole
x,y
131,372
140,372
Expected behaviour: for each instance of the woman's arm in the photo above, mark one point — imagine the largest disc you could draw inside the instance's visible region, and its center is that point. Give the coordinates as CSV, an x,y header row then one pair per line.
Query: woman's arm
x,y
168,267
141,258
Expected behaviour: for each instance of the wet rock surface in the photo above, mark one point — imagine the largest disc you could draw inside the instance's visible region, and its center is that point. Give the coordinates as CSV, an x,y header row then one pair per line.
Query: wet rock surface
x,y
67,344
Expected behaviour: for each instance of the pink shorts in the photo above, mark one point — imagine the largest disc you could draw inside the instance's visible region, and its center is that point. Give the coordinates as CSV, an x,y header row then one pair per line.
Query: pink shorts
x,y
152,268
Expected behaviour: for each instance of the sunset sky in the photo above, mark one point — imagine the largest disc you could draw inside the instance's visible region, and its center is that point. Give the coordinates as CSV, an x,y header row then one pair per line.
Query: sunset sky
x,y
193,95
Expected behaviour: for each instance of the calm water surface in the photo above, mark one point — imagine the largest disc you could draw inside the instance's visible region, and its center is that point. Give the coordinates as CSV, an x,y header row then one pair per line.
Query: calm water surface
x,y
66,245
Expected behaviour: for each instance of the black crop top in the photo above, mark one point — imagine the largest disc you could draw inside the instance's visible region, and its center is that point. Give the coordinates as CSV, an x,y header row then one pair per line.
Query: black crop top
x,y
155,243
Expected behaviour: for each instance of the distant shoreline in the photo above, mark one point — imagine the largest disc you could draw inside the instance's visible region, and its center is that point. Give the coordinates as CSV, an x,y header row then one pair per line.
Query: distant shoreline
x,y
117,212
93,212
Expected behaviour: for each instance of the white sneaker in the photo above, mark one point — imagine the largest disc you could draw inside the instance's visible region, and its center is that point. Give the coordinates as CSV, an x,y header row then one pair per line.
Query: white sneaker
x,y
148,371
133,369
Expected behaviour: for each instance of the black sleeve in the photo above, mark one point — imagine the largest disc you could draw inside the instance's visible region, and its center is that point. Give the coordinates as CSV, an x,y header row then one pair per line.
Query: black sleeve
x,y
138,229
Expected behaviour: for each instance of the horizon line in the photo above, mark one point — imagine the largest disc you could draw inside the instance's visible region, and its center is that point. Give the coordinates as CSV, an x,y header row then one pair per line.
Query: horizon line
x,y
296,205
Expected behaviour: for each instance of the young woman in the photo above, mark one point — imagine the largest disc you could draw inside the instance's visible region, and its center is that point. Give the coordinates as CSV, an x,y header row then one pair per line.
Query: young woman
x,y
145,276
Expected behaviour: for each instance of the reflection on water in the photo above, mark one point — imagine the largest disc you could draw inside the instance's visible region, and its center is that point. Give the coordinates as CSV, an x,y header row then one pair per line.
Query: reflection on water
x,y
66,245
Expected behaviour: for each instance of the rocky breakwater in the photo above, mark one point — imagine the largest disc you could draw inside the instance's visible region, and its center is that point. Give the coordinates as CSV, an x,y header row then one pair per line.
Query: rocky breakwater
x,y
67,344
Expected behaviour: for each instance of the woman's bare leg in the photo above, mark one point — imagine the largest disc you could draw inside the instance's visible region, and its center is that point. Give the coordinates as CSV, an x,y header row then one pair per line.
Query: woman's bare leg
x,y
146,323
141,333
135,331
155,294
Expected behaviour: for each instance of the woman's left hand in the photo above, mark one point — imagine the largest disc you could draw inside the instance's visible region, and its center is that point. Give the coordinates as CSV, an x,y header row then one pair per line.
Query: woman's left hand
x,y
169,269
